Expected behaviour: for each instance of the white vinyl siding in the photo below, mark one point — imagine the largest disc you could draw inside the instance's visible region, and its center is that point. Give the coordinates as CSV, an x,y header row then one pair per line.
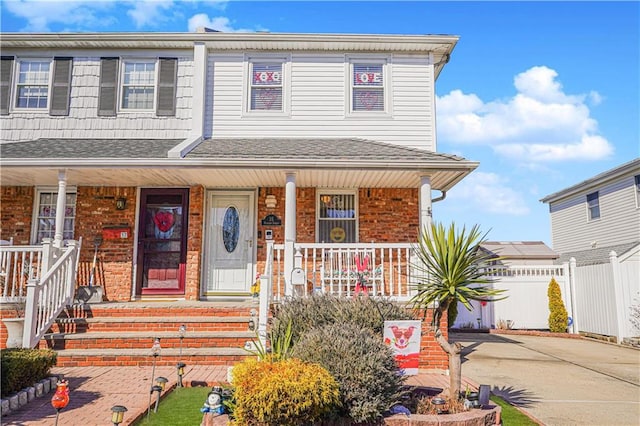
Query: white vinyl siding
x,y
82,120
45,214
619,221
32,84
318,89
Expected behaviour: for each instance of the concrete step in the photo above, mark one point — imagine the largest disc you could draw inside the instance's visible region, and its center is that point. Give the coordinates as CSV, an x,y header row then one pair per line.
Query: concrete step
x,y
145,339
161,309
140,357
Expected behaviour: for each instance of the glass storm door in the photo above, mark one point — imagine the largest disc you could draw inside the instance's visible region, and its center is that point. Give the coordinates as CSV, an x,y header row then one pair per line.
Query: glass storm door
x,y
230,243
162,241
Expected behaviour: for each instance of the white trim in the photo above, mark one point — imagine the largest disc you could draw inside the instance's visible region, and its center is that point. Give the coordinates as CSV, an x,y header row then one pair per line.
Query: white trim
x,y
120,99
184,147
385,61
249,60
35,213
13,107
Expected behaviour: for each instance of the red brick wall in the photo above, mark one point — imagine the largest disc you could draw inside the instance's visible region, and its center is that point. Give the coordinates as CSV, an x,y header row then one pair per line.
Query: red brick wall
x,y
432,356
194,243
16,210
95,210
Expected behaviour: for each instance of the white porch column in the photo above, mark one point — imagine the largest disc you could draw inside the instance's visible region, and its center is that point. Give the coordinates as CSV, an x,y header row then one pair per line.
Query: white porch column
x,y
425,202
289,230
60,208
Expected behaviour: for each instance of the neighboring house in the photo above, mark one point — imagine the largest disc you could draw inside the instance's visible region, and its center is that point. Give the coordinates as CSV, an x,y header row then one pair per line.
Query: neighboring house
x,y
595,225
520,252
183,155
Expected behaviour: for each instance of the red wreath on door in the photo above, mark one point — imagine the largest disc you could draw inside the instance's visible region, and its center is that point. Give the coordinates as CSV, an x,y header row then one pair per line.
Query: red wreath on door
x,y
164,220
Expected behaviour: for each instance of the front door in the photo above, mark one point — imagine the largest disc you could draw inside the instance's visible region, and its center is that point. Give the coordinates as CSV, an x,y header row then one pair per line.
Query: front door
x,y
162,238
230,243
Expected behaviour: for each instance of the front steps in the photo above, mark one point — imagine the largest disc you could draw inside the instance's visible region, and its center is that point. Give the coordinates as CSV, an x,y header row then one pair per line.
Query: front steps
x,y
122,333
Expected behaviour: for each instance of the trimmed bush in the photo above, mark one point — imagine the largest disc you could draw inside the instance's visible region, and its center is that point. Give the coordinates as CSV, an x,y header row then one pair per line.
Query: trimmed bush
x,y
286,392
558,317
319,310
369,378
22,368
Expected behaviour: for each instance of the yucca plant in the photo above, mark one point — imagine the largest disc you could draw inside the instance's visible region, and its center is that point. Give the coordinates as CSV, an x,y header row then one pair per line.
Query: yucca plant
x,y
450,269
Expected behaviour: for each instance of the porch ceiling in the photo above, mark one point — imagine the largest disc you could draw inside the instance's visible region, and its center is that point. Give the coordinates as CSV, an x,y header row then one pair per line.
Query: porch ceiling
x,y
212,177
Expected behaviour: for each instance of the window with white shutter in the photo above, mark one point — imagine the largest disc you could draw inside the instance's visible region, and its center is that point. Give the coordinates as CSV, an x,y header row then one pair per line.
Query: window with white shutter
x,y
367,86
266,92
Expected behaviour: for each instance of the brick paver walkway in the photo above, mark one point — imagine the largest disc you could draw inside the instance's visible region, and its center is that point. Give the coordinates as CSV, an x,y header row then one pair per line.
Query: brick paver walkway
x,y
94,390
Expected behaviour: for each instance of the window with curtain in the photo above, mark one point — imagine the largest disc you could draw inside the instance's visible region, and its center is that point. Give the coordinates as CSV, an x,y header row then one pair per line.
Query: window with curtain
x,y
337,217
45,223
266,86
367,87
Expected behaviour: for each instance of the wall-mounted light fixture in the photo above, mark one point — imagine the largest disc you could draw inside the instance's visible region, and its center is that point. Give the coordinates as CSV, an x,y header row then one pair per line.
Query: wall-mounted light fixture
x,y
121,203
270,201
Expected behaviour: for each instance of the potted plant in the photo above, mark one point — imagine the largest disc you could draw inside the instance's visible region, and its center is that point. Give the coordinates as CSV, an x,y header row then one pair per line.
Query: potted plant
x,y
15,324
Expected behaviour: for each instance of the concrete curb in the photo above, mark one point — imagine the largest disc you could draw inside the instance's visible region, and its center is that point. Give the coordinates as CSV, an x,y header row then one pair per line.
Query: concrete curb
x,y
25,396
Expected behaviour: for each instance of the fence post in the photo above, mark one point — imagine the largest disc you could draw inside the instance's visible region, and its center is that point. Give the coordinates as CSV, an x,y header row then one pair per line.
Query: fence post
x,y
30,313
618,297
570,273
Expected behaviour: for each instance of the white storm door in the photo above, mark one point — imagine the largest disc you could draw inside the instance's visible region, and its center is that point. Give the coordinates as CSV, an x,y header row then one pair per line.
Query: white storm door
x,y
230,243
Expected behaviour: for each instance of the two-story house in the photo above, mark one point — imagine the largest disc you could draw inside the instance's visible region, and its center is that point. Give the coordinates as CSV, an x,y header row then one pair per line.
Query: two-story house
x,y
595,225
182,155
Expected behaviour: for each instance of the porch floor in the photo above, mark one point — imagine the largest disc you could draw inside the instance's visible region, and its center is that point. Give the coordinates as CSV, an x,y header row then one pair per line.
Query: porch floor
x,y
94,390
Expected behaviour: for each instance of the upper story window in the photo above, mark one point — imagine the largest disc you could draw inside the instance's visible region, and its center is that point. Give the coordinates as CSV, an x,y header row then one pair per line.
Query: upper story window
x,y
367,86
45,216
267,80
637,182
138,85
35,85
593,205
32,84
337,217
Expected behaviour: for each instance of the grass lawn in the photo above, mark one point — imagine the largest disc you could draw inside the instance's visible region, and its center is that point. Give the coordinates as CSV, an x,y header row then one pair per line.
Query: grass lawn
x,y
511,415
181,407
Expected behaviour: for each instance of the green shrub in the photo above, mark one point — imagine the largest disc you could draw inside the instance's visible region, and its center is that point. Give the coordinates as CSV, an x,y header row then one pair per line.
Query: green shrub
x,y
558,317
369,378
319,310
286,392
22,368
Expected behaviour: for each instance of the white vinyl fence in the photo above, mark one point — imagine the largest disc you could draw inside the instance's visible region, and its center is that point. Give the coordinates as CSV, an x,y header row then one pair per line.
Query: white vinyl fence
x,y
598,298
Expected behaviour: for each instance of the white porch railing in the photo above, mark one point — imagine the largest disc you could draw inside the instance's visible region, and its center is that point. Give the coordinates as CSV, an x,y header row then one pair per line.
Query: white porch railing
x,y
378,269
47,297
43,279
18,265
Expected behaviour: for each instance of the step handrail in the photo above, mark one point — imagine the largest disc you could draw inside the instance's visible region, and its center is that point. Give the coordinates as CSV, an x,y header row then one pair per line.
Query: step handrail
x,y
47,297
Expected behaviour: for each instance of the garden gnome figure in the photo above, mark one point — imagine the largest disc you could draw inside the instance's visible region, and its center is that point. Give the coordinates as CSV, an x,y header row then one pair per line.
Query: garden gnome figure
x,y
60,399
213,406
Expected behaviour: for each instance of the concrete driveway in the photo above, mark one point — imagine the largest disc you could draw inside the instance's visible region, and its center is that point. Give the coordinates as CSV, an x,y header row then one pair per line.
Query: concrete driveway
x,y
558,381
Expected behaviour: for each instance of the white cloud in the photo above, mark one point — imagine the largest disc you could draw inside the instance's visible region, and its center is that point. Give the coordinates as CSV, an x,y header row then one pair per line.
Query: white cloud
x,y
81,15
150,12
539,123
218,23
489,193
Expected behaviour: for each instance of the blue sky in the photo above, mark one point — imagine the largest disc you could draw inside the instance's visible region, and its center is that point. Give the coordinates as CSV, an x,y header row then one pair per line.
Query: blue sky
x,y
542,94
